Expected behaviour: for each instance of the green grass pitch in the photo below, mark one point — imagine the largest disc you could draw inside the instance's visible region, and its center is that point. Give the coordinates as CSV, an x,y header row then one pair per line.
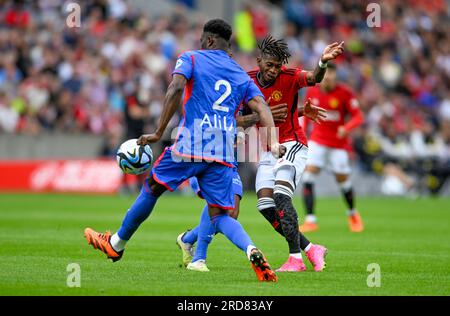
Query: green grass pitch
x,y
41,234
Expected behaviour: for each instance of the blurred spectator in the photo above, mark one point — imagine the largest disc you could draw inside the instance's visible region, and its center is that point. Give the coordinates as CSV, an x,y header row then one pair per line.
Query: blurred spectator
x,y
8,116
17,15
244,33
57,79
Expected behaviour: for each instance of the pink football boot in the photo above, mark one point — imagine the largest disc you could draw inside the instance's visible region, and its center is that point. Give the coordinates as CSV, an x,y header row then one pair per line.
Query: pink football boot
x,y
292,265
316,255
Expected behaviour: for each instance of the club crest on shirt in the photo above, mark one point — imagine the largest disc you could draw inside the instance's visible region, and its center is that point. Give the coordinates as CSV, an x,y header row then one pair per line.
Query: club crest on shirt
x,y
334,103
276,95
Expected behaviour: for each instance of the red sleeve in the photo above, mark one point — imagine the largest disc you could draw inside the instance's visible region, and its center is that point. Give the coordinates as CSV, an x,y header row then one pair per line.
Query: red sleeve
x,y
300,78
357,116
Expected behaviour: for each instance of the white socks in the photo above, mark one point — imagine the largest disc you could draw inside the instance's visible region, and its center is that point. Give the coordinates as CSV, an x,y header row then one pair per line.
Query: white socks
x,y
296,255
299,255
308,247
351,212
117,243
311,218
249,250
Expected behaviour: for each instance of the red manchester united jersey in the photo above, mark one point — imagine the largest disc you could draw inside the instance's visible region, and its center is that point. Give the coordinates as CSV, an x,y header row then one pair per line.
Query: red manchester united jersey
x,y
339,104
285,90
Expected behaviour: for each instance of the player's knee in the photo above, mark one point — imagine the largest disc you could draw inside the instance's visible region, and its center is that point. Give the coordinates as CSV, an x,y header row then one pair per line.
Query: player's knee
x,y
281,192
265,203
237,202
215,211
309,177
234,213
345,185
264,192
313,169
156,188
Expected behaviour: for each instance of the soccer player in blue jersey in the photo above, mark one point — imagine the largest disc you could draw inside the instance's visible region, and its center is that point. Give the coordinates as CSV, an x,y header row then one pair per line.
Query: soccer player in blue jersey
x,y
214,86
204,232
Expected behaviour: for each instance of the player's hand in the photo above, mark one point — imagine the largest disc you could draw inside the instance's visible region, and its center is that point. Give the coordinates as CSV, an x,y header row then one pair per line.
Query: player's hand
x,y
314,113
279,112
332,51
341,132
240,138
148,139
278,150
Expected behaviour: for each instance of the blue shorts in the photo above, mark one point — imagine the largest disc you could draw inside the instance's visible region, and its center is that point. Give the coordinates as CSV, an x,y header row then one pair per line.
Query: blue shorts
x,y
214,179
237,185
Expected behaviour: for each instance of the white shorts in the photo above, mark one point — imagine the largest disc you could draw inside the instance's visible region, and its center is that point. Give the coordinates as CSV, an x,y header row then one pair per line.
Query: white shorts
x,y
337,160
294,160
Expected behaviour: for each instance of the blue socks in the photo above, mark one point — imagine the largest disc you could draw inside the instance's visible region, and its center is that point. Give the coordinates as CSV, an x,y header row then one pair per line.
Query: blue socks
x,y
138,212
205,235
205,231
191,235
233,230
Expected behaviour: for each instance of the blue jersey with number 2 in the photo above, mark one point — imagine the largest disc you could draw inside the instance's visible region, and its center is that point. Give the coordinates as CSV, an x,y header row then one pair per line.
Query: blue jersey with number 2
x,y
216,87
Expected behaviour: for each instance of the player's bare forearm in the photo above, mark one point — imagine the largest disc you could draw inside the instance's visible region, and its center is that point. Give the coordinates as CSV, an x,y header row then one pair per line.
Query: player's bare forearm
x,y
248,120
316,76
171,102
329,53
278,112
260,107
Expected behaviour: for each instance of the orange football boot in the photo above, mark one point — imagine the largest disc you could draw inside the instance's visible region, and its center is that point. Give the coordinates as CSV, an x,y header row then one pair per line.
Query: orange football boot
x,y
261,267
355,223
307,227
102,242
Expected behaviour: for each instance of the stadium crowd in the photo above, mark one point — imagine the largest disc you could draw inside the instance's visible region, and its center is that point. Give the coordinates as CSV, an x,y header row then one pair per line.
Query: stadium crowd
x,y
110,75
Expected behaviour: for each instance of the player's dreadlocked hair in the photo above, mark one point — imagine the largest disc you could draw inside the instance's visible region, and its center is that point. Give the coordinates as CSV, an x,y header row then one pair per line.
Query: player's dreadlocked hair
x,y
275,48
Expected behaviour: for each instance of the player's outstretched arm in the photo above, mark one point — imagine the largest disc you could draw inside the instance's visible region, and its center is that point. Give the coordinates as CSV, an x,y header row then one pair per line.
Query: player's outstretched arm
x,y
329,53
247,120
260,107
279,114
171,102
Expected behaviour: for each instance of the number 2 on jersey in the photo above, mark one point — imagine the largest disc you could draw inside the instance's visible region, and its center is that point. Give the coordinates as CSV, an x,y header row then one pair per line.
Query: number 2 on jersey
x,y
217,105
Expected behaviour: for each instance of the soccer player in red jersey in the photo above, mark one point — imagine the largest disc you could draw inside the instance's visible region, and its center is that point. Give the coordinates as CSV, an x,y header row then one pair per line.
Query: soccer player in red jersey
x,y
277,179
328,145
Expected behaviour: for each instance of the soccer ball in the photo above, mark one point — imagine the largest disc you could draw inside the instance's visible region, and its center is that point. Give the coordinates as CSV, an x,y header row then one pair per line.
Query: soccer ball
x,y
133,158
